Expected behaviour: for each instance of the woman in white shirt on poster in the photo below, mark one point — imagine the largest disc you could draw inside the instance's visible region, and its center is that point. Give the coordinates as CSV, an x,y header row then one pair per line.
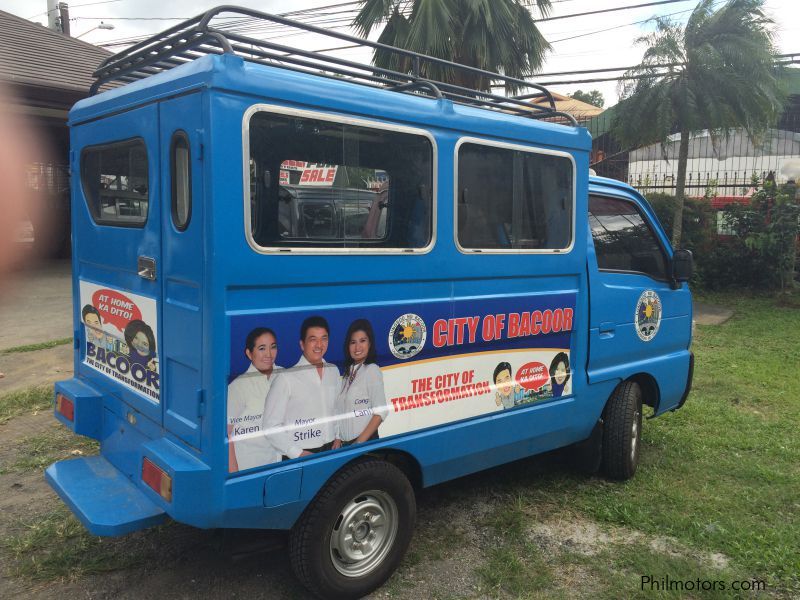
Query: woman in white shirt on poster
x,y
247,446
361,404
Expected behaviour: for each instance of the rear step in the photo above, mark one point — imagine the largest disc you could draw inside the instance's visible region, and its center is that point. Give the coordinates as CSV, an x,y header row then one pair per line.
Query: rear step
x,y
102,497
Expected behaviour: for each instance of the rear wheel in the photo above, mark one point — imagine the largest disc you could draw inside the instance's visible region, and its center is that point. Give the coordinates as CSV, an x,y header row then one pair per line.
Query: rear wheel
x,y
622,431
354,533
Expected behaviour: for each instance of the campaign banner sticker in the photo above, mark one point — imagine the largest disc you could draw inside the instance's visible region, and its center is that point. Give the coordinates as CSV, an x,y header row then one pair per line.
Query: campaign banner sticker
x,y
120,337
435,392
435,363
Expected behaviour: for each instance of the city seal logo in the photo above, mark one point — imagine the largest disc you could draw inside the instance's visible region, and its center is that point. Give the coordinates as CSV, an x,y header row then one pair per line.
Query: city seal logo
x,y
648,315
407,336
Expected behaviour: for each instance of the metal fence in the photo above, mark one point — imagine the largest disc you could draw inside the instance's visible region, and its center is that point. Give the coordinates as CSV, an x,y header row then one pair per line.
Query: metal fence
x,y
727,163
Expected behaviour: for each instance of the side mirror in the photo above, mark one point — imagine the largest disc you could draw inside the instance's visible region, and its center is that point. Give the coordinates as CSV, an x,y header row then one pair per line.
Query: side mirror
x,y
682,265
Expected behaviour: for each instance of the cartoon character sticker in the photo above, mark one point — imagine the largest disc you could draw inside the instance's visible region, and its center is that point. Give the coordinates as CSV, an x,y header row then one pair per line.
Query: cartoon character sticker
x,y
533,381
647,319
120,337
509,392
559,374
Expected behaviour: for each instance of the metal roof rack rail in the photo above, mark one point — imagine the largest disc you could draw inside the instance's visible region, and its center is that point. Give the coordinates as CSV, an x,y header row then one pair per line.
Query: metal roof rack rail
x,y
195,37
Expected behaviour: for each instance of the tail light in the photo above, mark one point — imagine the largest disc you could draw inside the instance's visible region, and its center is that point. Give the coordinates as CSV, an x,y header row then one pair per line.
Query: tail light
x,y
65,407
157,479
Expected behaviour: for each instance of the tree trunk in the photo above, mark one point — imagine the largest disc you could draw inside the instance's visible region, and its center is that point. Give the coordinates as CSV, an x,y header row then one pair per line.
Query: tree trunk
x,y
683,158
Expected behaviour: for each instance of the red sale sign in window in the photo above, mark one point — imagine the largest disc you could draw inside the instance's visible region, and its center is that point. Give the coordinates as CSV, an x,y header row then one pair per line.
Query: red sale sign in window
x,y
318,175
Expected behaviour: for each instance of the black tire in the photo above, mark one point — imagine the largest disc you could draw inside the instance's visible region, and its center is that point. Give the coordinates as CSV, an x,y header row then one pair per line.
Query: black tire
x,y
374,501
622,431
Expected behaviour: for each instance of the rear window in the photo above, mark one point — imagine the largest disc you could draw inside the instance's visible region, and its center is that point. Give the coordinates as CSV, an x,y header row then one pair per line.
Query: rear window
x,y
317,184
115,183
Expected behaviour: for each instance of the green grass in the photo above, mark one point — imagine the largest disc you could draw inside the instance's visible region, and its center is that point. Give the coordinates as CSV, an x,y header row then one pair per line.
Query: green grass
x,y
517,570
57,546
722,475
37,452
35,347
24,401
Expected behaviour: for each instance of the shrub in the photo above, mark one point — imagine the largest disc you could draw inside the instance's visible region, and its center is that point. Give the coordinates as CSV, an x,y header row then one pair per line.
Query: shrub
x,y
761,253
699,228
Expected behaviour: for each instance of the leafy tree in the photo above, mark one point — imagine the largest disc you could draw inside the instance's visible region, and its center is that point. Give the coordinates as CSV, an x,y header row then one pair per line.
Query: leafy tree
x,y
716,73
494,35
769,228
593,97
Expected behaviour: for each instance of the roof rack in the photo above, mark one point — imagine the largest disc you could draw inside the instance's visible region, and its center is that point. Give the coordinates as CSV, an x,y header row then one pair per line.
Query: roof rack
x,y
195,37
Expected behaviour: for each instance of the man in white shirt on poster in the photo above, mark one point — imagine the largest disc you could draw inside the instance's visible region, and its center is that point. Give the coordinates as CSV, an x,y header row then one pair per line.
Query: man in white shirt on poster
x,y
299,410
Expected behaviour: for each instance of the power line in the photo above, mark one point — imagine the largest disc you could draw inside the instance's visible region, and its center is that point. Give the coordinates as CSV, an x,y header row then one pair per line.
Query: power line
x,y
569,16
680,12
657,66
252,25
608,10
622,77
129,18
76,6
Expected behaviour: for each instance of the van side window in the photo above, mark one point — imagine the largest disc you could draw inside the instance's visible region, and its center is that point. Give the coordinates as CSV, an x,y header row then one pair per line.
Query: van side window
x,y
511,199
115,183
181,178
322,184
623,240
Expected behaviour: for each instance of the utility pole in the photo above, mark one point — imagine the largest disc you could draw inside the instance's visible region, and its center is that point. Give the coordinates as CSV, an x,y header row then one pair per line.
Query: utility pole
x,y
52,15
63,9
58,16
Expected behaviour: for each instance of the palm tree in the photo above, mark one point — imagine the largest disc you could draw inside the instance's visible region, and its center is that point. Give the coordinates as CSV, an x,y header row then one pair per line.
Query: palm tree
x,y
493,35
715,74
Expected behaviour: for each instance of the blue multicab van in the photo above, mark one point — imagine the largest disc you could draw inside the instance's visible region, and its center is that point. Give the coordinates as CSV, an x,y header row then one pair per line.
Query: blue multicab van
x,y
306,287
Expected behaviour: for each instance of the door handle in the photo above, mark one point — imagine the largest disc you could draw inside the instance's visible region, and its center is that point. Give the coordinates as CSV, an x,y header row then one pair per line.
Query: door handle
x,y
146,268
607,329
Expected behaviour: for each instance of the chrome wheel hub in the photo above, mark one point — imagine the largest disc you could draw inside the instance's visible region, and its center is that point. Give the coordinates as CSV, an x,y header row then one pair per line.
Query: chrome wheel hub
x,y
364,533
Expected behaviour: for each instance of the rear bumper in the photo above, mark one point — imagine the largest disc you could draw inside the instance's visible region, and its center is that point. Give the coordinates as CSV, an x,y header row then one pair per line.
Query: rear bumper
x,y
102,497
107,492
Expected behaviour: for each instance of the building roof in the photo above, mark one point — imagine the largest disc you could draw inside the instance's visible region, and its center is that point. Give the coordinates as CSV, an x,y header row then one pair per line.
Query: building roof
x,y
32,55
582,111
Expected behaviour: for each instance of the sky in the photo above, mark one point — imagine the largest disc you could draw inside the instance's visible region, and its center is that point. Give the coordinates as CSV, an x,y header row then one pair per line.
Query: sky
x,y
612,48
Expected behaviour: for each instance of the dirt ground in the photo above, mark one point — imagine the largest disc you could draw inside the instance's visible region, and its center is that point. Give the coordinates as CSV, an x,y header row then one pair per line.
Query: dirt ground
x,y
42,367
36,305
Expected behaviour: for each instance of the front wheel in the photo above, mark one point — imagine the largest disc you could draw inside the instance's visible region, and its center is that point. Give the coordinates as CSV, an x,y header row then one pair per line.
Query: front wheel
x,y
353,535
622,431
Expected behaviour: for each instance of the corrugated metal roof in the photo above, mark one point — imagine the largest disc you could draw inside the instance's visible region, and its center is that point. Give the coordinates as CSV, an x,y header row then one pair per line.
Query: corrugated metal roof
x,y
33,55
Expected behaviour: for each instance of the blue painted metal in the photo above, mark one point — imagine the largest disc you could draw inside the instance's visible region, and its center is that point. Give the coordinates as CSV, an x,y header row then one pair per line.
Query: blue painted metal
x,y
104,500
210,282
615,351
182,276
88,404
